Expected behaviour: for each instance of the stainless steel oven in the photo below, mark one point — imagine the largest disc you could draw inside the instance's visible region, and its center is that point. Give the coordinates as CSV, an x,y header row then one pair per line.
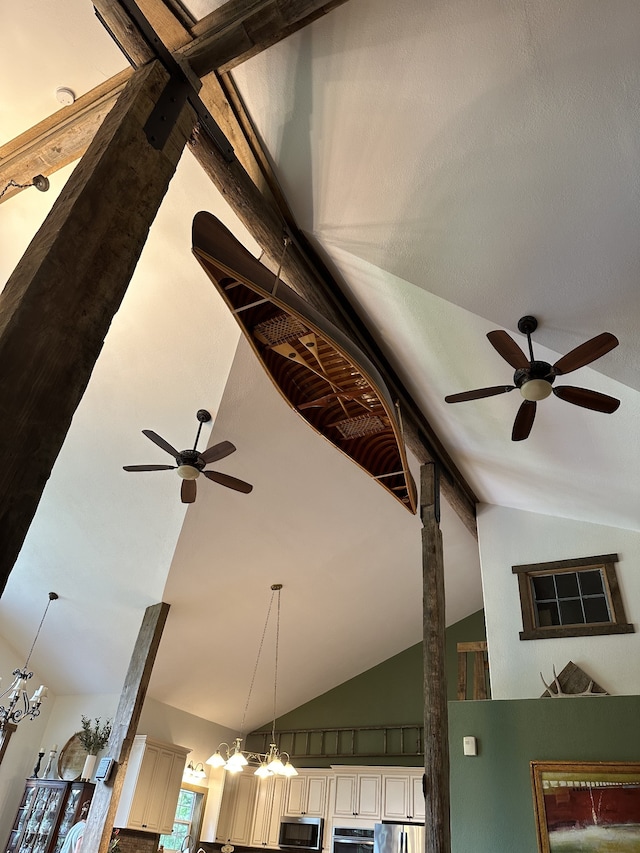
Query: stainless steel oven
x,y
350,839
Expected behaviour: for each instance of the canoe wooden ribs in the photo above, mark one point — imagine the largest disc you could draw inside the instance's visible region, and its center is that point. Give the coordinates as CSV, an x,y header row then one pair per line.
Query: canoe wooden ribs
x,y
318,370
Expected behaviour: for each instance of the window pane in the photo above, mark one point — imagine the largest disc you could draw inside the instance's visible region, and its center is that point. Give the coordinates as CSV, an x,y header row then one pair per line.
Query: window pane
x,y
591,583
176,840
571,612
548,614
567,585
596,609
184,809
543,587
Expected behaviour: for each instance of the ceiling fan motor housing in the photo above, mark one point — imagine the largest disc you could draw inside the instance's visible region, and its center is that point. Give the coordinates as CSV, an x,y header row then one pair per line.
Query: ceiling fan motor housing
x,y
189,459
535,370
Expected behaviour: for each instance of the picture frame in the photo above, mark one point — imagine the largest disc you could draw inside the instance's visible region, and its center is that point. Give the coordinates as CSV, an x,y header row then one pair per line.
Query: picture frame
x,y
586,806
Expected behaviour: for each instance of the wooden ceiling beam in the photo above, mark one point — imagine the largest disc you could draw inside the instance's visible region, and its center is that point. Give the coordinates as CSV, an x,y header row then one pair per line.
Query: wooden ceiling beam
x,y
61,138
248,183
221,45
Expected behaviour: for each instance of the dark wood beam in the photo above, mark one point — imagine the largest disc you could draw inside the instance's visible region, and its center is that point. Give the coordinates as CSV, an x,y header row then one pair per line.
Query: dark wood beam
x,y
105,800
436,724
225,38
57,306
254,194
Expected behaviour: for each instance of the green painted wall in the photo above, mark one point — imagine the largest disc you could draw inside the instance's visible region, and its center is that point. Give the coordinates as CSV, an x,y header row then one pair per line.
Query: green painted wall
x,y
390,693
387,694
491,799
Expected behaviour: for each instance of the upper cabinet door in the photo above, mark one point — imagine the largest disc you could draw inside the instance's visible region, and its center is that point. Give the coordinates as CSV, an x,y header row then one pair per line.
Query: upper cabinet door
x,y
368,801
395,798
316,803
345,795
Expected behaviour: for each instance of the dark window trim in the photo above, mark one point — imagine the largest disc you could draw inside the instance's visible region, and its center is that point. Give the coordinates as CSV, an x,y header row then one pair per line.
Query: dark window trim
x,y
606,562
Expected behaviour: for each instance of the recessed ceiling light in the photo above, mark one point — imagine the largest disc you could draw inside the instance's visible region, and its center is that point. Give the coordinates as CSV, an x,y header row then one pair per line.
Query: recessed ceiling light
x,y
65,96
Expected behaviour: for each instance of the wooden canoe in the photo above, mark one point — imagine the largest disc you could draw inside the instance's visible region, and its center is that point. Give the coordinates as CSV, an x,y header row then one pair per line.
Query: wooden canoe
x,y
318,370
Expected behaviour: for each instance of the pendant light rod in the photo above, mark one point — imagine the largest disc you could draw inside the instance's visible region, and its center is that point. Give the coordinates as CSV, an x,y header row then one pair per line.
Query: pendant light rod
x,y
18,704
234,758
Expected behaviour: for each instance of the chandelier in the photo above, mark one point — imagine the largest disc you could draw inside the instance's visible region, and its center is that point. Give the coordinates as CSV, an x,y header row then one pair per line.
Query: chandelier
x,y
18,704
272,763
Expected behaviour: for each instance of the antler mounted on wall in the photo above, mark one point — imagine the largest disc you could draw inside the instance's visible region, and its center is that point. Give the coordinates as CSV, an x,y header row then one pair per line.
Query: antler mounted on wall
x,y
571,683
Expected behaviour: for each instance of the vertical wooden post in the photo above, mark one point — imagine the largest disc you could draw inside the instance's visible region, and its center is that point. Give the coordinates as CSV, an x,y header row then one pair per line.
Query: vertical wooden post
x,y
57,306
102,813
436,734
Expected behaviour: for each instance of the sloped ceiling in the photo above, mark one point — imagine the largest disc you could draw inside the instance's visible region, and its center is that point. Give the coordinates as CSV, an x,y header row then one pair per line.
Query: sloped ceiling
x,y
458,166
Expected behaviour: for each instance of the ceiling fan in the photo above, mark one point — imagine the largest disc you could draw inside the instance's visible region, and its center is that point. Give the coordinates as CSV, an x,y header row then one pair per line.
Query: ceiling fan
x,y
535,378
191,463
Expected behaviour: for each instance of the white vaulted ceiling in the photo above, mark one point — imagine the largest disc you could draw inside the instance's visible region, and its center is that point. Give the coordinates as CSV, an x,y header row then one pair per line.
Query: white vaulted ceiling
x,y
457,166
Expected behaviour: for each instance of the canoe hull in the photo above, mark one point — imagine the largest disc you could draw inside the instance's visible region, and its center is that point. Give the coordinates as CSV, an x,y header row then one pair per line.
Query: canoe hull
x,y
318,370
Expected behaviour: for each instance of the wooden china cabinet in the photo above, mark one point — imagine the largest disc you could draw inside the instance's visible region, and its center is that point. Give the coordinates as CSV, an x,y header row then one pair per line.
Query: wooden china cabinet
x,y
47,811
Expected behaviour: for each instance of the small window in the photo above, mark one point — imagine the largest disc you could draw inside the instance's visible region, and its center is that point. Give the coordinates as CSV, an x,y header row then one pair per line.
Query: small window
x,y
571,598
187,821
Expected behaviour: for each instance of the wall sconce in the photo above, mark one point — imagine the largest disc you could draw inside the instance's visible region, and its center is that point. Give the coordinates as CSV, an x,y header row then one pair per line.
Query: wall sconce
x,y
194,773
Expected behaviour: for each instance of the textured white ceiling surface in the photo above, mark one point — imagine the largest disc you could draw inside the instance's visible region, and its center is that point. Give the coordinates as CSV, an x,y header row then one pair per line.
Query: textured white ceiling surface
x,y
458,166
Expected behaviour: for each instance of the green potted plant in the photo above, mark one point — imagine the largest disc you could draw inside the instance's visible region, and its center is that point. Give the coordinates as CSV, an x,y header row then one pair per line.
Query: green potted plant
x,y
94,736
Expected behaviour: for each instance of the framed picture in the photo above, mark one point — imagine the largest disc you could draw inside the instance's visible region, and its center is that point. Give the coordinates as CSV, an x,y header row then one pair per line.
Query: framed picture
x,y
587,806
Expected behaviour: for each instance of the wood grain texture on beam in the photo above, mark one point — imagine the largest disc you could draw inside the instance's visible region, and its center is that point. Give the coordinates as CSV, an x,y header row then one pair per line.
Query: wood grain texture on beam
x,y
76,277
104,804
254,194
436,727
61,138
224,46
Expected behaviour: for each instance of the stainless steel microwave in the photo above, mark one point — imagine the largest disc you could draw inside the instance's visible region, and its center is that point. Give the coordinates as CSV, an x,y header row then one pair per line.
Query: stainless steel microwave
x,y
300,833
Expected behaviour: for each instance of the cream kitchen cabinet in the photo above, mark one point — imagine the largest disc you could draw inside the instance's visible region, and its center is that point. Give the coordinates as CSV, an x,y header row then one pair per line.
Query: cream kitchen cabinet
x,y
306,795
235,823
151,786
269,808
357,795
402,797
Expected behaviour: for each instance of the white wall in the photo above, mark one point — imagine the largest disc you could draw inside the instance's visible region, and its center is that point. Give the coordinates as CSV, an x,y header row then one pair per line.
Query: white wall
x,y
508,537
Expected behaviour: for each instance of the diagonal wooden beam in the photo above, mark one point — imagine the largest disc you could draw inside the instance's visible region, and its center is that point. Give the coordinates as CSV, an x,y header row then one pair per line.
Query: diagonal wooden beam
x,y
61,138
58,303
221,46
249,25
252,190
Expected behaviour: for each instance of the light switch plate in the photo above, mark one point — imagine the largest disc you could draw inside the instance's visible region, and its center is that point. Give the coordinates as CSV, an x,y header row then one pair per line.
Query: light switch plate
x,y
469,745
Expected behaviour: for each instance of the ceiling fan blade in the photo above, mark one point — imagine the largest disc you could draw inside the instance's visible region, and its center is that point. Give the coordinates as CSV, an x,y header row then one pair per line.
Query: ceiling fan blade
x,y
229,482
188,491
587,399
218,451
148,467
157,439
478,393
524,421
586,353
504,344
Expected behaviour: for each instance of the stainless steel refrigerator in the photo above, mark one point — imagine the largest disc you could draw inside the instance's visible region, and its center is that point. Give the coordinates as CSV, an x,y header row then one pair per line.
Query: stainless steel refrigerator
x,y
398,838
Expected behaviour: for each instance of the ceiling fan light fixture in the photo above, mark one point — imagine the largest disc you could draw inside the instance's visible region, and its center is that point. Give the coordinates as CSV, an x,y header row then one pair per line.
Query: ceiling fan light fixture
x,y
536,389
188,472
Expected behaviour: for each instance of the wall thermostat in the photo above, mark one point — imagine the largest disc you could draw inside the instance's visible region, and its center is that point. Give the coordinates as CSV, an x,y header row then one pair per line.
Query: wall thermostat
x,y
105,768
